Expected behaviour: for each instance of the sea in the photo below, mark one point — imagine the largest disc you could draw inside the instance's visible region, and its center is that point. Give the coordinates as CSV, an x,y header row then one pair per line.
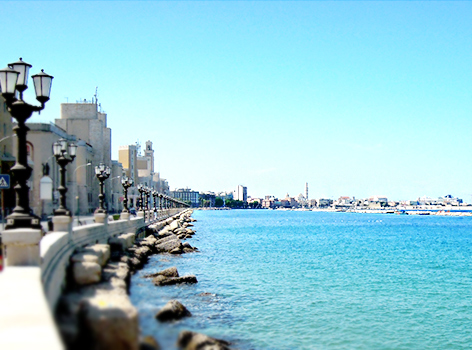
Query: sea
x,y
270,279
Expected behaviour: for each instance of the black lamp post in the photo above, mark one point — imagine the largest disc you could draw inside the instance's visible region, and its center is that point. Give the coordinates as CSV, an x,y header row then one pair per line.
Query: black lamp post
x,y
141,197
102,172
160,201
126,183
13,82
61,149
155,195
148,198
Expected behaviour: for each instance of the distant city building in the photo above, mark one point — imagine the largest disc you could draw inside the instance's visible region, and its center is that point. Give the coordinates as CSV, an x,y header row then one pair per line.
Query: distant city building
x,y
268,202
127,156
324,202
207,199
240,194
289,202
187,195
87,123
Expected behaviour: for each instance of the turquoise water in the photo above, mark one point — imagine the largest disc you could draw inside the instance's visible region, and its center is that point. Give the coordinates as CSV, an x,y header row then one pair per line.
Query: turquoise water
x,y
309,280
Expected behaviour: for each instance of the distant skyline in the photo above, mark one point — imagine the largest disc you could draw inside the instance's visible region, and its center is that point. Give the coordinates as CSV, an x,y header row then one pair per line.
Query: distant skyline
x,y
355,98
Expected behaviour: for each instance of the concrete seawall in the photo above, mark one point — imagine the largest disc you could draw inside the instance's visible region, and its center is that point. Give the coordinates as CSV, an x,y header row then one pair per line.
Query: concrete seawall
x,y
30,291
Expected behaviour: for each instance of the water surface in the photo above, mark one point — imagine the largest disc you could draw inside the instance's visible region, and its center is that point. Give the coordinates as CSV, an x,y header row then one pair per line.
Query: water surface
x,y
311,280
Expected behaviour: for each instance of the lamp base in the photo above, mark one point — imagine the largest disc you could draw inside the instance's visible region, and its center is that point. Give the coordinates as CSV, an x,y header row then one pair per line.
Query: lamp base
x,y
20,220
62,223
124,216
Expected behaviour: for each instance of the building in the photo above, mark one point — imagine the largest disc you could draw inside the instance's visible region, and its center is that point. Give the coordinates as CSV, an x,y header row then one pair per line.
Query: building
x,y
80,178
87,123
127,156
187,195
324,202
7,158
240,194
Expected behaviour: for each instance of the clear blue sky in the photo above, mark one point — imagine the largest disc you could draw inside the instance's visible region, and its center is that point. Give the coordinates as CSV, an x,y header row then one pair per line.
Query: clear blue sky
x,y
355,98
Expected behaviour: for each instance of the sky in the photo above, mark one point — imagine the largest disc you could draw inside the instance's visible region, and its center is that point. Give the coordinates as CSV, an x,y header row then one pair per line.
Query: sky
x,y
355,98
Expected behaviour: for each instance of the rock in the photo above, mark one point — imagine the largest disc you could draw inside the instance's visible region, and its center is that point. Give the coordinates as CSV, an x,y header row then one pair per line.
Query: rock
x,y
174,225
86,272
169,272
170,237
142,253
111,322
102,251
135,263
149,343
164,232
169,245
182,236
176,251
118,275
168,281
188,250
84,257
196,341
122,242
189,231
173,310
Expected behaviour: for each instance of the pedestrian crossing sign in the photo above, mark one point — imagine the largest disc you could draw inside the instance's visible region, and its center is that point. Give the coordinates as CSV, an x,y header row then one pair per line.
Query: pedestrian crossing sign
x,y
4,182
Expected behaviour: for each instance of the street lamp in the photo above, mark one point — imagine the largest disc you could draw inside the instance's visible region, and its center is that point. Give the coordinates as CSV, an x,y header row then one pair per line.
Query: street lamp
x,y
102,172
155,195
141,197
126,183
62,149
13,80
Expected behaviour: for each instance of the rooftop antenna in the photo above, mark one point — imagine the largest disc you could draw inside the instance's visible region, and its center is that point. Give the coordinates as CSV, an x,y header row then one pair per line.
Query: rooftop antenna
x,y
96,95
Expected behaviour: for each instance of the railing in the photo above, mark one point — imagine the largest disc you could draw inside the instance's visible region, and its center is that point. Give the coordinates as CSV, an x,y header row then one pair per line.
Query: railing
x,y
31,286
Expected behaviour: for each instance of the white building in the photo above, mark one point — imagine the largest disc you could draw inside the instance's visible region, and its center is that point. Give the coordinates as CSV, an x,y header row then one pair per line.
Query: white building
x,y
240,194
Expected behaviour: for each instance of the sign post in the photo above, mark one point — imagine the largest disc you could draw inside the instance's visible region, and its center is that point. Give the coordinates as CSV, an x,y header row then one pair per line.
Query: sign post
x,y
4,185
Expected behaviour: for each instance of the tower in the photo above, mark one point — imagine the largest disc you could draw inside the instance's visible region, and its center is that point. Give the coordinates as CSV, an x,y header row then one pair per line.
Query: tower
x,y
149,153
306,191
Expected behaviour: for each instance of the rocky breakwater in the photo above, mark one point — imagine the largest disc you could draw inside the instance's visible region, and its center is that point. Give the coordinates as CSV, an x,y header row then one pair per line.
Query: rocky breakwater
x,y
169,240
95,311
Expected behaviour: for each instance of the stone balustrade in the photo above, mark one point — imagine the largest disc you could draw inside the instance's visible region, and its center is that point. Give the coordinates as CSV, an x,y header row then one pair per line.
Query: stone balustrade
x,y
35,273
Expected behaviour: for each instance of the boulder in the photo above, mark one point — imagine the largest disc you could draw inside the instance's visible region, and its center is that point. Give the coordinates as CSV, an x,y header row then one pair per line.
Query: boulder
x,y
102,251
169,272
122,242
111,322
86,272
174,225
177,250
169,245
169,237
142,253
196,341
164,232
173,310
149,343
84,257
169,281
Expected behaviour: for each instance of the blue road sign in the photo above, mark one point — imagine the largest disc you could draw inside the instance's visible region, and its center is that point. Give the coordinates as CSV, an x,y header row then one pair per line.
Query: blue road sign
x,y
4,182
